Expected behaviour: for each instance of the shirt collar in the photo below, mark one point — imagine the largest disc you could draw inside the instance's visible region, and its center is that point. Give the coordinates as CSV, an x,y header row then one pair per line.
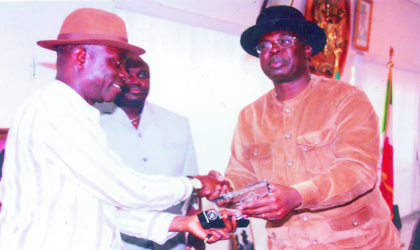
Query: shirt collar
x,y
300,97
147,116
70,96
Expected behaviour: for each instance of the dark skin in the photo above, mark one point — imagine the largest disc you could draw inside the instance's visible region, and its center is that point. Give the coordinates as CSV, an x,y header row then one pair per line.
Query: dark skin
x,y
136,89
288,68
97,74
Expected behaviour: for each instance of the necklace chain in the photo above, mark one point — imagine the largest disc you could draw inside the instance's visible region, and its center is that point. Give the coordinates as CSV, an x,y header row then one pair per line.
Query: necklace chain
x,y
135,118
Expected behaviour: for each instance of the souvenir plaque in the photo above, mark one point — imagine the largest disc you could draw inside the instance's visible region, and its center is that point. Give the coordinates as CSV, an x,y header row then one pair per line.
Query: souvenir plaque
x,y
230,201
212,219
244,195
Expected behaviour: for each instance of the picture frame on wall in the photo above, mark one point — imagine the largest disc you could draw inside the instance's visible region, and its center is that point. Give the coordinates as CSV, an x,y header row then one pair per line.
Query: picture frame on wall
x,y
363,24
269,3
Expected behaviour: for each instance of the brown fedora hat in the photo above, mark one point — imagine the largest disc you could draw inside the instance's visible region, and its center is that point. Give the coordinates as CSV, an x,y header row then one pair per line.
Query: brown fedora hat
x,y
92,27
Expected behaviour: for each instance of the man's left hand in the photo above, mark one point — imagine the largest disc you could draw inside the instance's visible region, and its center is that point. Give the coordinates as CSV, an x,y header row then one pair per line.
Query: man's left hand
x,y
281,202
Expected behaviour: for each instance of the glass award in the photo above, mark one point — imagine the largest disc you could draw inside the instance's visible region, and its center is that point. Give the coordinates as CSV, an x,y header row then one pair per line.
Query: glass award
x,y
244,195
230,201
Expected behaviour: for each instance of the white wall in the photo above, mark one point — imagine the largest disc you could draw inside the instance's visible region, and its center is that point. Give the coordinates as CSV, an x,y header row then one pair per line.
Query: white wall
x,y
395,23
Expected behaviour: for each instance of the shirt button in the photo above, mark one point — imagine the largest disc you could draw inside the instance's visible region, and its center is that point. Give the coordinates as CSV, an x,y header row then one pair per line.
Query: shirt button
x,y
255,152
288,136
144,159
139,134
287,110
355,223
305,218
316,142
290,163
304,149
314,242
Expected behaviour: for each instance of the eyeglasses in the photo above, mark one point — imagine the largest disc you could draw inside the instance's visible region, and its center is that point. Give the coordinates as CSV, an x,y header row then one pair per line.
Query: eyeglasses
x,y
284,42
143,74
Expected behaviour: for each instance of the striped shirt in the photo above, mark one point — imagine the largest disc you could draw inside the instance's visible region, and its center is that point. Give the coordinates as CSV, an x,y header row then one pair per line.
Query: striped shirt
x,y
62,188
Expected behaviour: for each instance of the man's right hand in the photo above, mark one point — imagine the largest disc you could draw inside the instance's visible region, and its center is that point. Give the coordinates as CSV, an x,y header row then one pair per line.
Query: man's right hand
x,y
214,185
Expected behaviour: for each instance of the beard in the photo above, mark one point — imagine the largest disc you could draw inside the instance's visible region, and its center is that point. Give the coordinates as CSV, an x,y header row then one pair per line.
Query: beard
x,y
121,101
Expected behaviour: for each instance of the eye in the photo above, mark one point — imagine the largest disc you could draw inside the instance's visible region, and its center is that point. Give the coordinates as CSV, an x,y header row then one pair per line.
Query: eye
x,y
143,75
264,46
285,41
117,63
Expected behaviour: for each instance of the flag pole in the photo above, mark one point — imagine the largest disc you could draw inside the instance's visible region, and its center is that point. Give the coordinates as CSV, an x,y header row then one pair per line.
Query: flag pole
x,y
387,169
388,100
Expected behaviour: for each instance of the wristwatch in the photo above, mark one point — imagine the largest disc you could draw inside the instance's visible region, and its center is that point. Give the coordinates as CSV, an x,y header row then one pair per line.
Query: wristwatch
x,y
196,183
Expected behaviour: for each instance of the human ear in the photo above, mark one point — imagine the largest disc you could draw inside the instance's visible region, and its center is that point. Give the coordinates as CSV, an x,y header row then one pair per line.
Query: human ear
x,y
308,51
79,57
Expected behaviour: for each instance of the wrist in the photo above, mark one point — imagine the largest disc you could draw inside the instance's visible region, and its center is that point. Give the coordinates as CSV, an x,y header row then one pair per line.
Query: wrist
x,y
179,224
196,183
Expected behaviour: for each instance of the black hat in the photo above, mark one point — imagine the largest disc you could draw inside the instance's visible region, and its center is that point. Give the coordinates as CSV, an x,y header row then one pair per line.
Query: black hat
x,y
278,18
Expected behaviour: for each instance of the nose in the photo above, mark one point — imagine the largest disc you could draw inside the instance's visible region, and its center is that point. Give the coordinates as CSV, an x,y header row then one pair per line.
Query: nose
x,y
123,74
275,47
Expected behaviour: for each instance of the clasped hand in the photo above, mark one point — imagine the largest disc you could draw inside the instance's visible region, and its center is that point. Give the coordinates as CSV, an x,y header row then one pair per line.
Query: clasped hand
x,y
214,185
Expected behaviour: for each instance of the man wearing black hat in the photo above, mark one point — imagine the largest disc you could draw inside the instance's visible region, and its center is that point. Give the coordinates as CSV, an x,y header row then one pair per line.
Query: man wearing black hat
x,y
316,141
62,187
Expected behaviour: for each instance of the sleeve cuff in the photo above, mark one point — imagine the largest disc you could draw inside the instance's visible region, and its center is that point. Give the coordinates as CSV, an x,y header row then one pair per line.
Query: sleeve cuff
x,y
309,193
153,226
161,222
188,185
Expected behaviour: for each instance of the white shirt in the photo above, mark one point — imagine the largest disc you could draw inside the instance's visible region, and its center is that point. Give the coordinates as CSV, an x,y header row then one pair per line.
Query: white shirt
x,y
162,144
62,188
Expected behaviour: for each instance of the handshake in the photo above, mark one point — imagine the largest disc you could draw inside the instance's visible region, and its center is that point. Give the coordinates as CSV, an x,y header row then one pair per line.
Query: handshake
x,y
210,186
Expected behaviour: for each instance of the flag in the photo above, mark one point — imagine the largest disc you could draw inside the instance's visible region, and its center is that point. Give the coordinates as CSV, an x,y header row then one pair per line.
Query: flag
x,y
387,172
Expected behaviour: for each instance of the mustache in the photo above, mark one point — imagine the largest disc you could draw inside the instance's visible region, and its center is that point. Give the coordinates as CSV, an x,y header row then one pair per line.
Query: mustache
x,y
278,59
125,89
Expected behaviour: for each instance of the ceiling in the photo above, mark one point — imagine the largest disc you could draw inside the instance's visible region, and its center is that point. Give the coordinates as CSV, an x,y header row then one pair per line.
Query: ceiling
x,y
230,16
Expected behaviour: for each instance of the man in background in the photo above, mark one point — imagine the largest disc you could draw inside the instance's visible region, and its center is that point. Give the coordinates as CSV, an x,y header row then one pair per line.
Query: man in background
x,y
315,140
151,140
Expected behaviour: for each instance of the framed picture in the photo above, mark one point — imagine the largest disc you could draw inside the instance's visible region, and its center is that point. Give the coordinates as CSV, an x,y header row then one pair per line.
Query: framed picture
x,y
243,239
269,3
363,24
333,17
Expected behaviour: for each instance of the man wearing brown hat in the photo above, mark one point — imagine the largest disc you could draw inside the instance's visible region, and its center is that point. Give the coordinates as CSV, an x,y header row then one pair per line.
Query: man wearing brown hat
x,y
62,188
315,140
